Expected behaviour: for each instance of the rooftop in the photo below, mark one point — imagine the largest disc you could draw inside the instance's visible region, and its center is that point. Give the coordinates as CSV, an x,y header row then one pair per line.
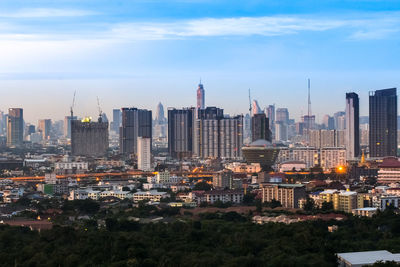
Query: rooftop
x,y
368,257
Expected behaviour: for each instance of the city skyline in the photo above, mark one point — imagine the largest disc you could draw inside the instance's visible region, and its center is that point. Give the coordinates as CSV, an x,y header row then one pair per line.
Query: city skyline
x,y
150,52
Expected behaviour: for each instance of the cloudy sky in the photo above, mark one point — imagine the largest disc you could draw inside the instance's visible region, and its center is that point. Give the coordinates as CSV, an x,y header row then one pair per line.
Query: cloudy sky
x,y
138,53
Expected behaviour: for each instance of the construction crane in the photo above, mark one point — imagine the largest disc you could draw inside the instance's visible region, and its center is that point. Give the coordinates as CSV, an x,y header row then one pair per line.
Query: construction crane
x,y
249,102
100,111
72,105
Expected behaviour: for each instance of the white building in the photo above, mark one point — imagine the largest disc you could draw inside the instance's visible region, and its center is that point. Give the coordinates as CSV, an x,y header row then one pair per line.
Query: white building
x,y
333,157
144,153
71,167
149,195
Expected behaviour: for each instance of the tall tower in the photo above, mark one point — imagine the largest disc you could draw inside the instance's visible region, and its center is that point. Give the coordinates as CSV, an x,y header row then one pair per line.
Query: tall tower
x,y
352,138
383,123
200,96
15,127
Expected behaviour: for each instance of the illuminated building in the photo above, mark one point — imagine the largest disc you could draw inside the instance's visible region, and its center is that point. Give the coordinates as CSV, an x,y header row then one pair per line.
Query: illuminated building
x,y
262,152
15,127
383,123
89,138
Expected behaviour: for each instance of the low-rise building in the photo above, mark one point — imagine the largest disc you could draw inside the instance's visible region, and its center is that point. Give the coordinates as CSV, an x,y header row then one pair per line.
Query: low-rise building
x,y
288,195
367,212
152,195
233,196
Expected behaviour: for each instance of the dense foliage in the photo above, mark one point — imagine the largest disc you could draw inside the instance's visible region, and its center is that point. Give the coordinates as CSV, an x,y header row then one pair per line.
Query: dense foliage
x,y
214,240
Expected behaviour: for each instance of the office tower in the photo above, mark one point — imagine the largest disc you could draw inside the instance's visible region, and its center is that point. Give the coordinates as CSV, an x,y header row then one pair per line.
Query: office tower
x,y
200,96
116,123
281,131
104,117
67,125
255,108
181,124
270,111
326,138
352,136
3,123
300,128
44,126
329,122
135,123
247,129
160,117
30,129
339,118
89,138
260,127
144,153
160,122
282,115
15,127
383,123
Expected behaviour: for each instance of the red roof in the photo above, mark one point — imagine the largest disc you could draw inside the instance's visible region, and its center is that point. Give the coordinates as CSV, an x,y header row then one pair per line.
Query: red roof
x,y
390,162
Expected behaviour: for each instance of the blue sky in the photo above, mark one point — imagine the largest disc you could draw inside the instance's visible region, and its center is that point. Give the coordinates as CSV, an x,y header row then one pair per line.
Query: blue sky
x,y
137,53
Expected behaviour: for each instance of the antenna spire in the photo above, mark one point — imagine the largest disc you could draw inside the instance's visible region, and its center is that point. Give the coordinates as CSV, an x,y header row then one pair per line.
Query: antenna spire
x,y
72,105
249,102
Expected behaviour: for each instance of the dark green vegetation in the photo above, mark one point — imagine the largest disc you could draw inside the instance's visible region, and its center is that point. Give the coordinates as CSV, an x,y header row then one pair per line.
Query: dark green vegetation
x,y
215,240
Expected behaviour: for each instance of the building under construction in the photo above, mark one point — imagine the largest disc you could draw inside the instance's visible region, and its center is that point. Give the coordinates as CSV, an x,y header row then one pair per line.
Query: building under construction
x,y
89,138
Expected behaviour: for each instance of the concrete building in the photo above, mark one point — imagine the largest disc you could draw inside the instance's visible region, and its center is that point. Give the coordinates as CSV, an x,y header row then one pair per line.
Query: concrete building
x,y
224,196
332,157
116,122
260,127
181,130
366,258
223,179
308,155
352,137
152,195
44,126
383,123
389,171
15,127
135,123
89,138
288,195
144,153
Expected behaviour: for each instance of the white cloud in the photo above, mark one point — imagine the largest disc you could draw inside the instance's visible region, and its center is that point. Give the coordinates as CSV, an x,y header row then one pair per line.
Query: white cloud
x,y
46,13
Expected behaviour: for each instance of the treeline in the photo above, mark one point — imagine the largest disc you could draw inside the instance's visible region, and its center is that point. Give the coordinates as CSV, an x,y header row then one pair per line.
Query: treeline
x,y
214,240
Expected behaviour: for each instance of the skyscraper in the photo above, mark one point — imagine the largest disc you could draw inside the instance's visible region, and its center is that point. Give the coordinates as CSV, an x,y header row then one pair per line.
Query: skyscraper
x,y
282,115
352,126
67,125
329,122
260,127
135,123
89,138
200,96
160,117
270,111
255,108
44,126
15,127
181,132
116,123
216,135
383,123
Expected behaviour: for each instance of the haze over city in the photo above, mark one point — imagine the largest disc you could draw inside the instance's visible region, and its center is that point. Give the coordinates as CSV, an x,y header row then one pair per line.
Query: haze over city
x,y
138,53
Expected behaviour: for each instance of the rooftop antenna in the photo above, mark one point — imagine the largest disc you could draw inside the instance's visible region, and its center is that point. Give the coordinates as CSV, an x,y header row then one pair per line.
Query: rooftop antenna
x,y
249,103
100,111
72,105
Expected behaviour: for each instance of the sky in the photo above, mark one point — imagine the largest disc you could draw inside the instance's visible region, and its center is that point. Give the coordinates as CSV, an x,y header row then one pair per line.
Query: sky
x,y
132,53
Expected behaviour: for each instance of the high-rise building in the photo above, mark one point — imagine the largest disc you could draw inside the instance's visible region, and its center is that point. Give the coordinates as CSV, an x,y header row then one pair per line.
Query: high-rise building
x,y
135,123
218,136
339,118
383,123
67,125
329,122
309,122
352,137
160,123
260,127
116,123
200,96
282,115
160,117
247,129
270,112
89,138
44,126
255,108
181,124
144,153
15,127
281,131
